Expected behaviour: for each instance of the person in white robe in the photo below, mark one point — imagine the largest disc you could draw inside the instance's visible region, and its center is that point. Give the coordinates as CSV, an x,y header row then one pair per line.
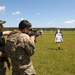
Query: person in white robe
x,y
58,38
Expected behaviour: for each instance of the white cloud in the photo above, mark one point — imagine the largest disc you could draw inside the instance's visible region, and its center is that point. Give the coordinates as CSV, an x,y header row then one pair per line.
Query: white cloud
x,y
69,22
2,8
16,13
20,19
38,13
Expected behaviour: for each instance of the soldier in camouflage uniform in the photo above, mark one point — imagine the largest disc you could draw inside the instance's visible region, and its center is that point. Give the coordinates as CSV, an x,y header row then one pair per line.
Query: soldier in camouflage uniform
x,y
20,47
3,57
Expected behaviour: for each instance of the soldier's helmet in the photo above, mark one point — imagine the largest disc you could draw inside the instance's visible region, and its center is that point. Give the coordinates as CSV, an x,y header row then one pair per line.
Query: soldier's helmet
x,y
2,22
24,24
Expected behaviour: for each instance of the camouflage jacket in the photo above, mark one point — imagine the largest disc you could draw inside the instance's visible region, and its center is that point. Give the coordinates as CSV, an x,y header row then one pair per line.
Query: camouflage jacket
x,y
19,49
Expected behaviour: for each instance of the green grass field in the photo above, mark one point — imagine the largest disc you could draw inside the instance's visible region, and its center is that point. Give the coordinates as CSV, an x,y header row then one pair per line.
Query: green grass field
x,y
49,61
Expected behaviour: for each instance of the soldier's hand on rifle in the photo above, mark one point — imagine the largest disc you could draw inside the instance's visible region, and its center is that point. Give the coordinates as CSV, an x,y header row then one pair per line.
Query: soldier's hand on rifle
x,y
32,38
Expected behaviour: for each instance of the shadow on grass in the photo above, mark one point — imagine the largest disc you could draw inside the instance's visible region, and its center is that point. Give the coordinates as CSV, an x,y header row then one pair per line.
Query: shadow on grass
x,y
54,49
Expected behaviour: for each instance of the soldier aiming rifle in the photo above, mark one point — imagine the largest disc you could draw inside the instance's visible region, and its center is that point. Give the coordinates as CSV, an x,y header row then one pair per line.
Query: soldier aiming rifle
x,y
34,33
20,47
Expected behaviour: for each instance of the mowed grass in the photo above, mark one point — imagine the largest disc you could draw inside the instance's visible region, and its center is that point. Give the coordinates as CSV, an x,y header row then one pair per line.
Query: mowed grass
x,y
49,61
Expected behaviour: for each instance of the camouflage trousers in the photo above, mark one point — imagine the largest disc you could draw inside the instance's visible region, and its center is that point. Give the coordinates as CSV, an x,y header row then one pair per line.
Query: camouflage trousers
x,y
17,73
2,71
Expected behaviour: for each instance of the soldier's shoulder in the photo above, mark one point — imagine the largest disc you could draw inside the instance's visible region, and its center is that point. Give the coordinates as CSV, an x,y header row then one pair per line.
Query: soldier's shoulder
x,y
24,35
14,32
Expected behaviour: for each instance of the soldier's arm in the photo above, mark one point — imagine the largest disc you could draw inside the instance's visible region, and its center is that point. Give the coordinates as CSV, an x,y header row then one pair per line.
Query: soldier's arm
x,y
6,32
0,53
30,46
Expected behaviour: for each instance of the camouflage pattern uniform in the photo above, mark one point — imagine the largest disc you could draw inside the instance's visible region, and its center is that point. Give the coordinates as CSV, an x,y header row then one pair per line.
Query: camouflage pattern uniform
x,y
19,49
3,57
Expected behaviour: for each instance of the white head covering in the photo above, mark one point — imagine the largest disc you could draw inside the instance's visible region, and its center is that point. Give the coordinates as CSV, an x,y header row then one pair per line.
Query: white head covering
x,y
58,30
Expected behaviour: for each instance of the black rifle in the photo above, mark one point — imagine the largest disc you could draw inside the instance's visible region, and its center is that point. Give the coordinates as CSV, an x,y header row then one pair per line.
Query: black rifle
x,y
33,32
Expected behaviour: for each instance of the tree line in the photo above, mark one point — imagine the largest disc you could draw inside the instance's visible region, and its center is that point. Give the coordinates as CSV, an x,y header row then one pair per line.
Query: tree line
x,y
44,29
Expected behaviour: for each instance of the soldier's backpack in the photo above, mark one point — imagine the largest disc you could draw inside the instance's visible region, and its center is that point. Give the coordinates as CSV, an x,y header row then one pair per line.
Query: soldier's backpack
x,y
14,45
11,43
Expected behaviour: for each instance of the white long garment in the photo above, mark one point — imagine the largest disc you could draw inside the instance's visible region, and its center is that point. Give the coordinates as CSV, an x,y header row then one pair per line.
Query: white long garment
x,y
58,37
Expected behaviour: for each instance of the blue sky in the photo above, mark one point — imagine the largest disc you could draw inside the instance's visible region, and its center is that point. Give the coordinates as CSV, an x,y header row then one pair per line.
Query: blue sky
x,y
41,13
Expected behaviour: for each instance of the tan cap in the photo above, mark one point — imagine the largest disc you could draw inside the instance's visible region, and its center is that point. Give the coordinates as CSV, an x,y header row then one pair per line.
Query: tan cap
x,y
2,22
